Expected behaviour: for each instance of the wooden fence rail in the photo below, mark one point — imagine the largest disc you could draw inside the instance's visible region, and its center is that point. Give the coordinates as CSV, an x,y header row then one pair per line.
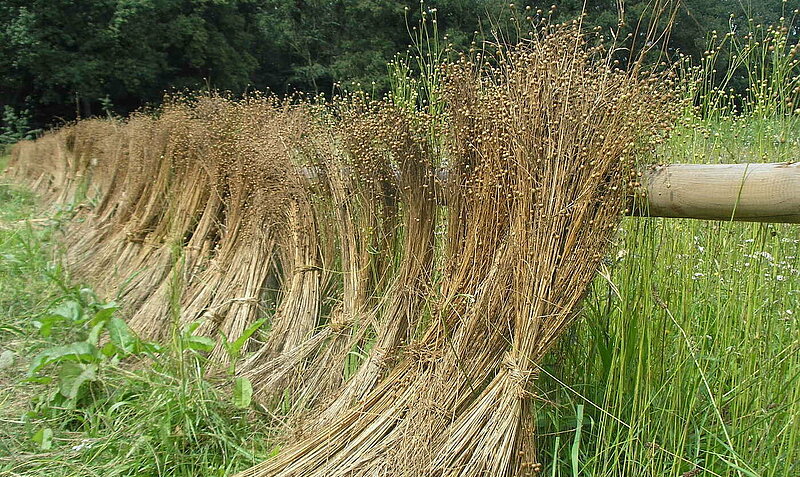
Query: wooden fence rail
x,y
744,192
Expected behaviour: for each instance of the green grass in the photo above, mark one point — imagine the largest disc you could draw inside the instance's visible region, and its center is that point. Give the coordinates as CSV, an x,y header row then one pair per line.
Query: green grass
x,y
687,359
155,412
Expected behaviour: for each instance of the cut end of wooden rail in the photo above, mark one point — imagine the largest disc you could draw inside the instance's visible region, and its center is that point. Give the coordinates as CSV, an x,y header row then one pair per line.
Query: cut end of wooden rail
x,y
742,192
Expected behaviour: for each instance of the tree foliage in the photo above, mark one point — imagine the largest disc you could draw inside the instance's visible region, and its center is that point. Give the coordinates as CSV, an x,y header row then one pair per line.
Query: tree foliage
x,y
62,59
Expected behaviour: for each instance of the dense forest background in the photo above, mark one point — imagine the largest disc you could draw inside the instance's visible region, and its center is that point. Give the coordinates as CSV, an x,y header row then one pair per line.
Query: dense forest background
x,y
65,59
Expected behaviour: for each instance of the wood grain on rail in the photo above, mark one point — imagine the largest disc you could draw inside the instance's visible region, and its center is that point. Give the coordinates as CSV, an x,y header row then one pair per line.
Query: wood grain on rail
x,y
744,192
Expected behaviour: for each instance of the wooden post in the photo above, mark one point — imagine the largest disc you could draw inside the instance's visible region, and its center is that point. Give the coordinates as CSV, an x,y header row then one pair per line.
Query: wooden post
x,y
746,192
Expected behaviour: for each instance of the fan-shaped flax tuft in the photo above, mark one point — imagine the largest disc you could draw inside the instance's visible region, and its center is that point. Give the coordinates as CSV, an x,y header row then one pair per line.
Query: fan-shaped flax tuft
x,y
375,174
208,175
541,149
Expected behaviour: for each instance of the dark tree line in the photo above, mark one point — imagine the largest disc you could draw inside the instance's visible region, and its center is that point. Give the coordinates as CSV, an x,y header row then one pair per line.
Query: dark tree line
x,y
62,59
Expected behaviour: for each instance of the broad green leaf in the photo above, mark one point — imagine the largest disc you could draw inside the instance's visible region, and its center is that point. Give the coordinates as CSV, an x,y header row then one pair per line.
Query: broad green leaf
x,y
242,393
192,327
94,333
80,352
199,343
44,437
108,350
121,335
105,312
145,347
38,379
45,324
236,346
72,376
70,310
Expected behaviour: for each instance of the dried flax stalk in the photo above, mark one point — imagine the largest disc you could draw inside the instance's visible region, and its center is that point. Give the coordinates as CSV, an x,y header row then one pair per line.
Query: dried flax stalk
x,y
364,217
203,186
542,149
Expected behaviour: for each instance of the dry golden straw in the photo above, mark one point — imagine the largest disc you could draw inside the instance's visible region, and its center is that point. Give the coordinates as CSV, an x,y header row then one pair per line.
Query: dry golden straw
x,y
415,265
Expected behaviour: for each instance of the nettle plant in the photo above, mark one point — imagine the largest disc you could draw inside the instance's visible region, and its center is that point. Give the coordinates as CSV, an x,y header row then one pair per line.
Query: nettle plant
x,y
105,340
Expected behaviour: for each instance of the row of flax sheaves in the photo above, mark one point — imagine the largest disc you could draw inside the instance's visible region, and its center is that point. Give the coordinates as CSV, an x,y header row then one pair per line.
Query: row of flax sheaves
x,y
414,267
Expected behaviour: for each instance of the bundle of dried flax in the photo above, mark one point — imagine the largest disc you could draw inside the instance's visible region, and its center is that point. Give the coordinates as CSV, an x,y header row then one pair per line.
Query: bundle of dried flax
x,y
542,148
